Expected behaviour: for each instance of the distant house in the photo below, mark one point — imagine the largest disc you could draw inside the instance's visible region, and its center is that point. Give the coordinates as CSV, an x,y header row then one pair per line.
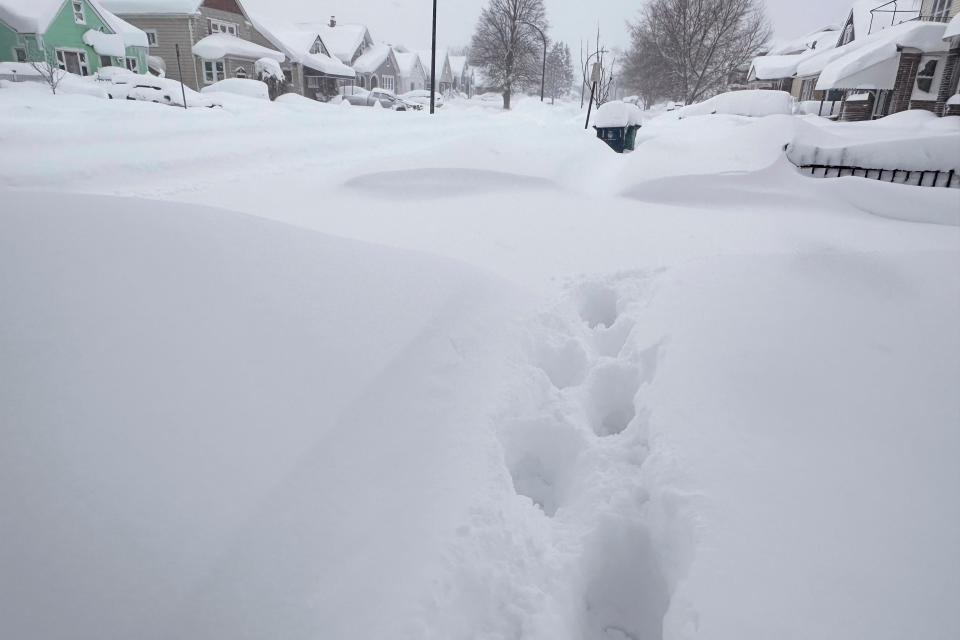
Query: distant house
x,y
312,70
345,42
79,36
462,74
777,68
444,72
378,68
216,38
412,75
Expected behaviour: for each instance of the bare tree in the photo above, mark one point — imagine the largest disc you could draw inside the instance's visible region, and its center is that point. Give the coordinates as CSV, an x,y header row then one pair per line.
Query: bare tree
x,y
49,69
688,49
606,59
559,71
504,45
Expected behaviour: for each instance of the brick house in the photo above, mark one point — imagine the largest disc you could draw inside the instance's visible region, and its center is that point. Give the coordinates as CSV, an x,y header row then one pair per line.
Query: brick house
x,y
216,38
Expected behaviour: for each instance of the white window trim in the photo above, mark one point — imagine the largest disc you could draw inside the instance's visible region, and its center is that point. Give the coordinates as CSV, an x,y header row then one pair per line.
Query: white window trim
x,y
83,65
935,80
79,17
222,26
136,64
213,66
156,37
387,82
240,70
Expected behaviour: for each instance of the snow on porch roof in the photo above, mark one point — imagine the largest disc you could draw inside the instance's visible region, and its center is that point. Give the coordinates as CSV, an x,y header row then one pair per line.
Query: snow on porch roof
x,y
221,45
953,28
872,62
777,67
327,65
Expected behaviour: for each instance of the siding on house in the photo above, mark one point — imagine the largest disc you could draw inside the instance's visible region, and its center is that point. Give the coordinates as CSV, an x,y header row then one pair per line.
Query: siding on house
x,y
928,6
9,42
171,30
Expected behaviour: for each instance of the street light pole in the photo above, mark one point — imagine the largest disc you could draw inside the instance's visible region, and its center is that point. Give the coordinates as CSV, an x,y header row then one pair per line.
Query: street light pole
x,y
543,76
433,63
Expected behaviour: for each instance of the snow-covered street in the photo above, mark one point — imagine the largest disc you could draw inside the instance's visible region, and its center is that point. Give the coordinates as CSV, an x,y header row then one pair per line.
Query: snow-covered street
x,y
294,370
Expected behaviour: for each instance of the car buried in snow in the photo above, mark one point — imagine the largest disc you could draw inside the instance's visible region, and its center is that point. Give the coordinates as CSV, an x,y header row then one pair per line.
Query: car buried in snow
x,y
422,97
359,97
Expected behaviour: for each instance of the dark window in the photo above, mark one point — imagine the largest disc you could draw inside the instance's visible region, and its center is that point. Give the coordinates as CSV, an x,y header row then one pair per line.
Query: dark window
x,y
925,76
106,61
21,54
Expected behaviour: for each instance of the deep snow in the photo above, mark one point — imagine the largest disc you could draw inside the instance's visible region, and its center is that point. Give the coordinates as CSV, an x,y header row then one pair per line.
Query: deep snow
x,y
681,394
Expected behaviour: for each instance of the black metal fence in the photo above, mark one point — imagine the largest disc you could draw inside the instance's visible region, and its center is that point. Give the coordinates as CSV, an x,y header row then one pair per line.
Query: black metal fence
x,y
948,179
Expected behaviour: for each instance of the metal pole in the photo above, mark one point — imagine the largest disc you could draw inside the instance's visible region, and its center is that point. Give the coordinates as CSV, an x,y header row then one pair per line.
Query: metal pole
x,y
433,63
183,92
593,87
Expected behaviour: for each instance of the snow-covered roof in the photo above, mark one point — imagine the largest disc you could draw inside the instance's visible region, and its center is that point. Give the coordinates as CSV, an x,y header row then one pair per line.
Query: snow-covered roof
x,y
406,61
220,45
153,6
821,38
458,64
343,40
372,58
775,67
953,28
35,16
872,62
327,65
296,42
425,59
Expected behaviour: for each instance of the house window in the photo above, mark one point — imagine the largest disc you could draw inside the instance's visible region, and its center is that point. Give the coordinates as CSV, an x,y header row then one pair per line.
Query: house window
x,y
240,73
363,82
213,71
151,37
73,62
847,35
106,61
318,47
313,82
133,65
78,14
387,83
374,82
941,10
20,54
925,75
221,26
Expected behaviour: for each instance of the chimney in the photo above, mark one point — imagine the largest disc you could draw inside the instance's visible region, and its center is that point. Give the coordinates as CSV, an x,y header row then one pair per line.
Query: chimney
x,y
333,21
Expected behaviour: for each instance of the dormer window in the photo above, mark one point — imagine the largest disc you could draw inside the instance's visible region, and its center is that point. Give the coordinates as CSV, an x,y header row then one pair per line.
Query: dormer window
x,y
78,14
317,47
847,35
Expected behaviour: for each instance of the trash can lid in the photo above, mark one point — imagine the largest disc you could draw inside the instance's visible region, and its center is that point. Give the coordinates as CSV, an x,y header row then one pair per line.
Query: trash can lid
x,y
617,114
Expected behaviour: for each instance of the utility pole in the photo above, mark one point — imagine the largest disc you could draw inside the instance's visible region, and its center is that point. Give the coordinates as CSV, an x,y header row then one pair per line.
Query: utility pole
x,y
433,63
183,92
543,76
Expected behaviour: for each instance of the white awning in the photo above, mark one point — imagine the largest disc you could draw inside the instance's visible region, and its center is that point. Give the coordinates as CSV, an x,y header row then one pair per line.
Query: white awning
x,y
872,67
327,65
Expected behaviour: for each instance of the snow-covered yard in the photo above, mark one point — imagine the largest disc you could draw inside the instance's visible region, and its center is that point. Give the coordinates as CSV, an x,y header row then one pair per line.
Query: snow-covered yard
x,y
294,370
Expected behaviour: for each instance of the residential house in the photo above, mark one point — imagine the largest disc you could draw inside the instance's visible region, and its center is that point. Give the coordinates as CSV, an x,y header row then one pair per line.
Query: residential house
x,y
216,39
950,82
345,42
413,77
776,69
79,36
312,70
444,72
378,68
462,75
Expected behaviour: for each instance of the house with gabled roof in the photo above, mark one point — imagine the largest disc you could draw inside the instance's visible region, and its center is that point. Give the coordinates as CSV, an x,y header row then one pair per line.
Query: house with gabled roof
x,y
378,68
412,75
216,39
314,72
462,74
444,71
78,36
346,42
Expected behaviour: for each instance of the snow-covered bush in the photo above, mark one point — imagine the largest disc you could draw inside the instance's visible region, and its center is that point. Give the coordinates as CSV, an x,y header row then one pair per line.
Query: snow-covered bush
x,y
241,87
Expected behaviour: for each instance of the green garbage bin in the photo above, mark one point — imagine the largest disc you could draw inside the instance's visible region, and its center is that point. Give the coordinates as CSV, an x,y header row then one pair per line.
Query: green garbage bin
x,y
631,142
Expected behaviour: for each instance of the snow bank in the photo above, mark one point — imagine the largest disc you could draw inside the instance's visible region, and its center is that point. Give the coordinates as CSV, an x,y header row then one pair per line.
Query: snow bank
x,y
754,103
912,141
617,114
241,87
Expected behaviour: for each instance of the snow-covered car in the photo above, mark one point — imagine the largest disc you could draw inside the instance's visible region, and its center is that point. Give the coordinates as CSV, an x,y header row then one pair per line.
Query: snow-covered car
x,y
422,97
388,99
122,84
240,86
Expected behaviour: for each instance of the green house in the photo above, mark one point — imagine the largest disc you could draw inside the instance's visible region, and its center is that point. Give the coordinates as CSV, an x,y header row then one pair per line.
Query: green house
x,y
79,36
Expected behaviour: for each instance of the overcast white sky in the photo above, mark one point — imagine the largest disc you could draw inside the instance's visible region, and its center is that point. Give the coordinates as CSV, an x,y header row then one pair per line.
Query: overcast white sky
x,y
408,21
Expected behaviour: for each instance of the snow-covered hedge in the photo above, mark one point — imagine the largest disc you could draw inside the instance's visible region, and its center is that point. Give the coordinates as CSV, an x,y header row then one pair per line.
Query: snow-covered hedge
x,y
241,87
757,103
